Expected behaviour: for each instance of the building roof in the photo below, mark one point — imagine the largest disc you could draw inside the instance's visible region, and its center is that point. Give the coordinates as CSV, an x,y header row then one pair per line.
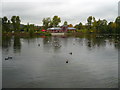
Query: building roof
x,y
54,28
71,28
58,28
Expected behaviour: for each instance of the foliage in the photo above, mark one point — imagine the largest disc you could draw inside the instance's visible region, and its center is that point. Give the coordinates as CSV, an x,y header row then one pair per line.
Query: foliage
x,y
16,23
92,25
65,23
70,25
46,22
79,26
89,20
117,21
5,24
56,20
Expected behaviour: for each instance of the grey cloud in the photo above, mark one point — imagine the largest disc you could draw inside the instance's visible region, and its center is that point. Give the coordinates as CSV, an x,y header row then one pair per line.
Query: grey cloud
x,y
119,8
73,11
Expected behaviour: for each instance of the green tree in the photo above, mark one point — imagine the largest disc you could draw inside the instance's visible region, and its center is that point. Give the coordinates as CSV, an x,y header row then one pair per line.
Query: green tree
x,y
76,26
56,20
79,26
16,23
46,22
9,26
51,24
101,26
0,26
5,24
13,19
65,23
117,21
89,20
31,29
94,24
111,27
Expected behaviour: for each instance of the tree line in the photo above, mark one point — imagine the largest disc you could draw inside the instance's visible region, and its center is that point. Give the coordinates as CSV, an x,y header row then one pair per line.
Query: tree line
x,y
92,25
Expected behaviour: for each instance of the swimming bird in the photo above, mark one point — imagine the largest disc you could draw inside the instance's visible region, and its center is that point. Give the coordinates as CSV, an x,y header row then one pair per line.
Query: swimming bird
x,y
67,61
70,53
38,44
6,58
9,57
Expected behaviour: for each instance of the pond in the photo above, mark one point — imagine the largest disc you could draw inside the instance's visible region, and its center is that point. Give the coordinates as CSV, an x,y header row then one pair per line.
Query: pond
x,y
87,61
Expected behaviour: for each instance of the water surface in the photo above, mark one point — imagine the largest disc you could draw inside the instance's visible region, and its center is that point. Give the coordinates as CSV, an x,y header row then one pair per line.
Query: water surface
x,y
92,64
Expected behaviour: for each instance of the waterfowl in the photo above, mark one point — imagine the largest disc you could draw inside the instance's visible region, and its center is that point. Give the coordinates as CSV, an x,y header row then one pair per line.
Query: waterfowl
x,y
9,57
6,58
38,44
70,53
67,61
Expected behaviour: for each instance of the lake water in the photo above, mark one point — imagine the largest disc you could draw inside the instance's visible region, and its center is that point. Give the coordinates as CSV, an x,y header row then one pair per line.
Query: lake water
x,y
92,64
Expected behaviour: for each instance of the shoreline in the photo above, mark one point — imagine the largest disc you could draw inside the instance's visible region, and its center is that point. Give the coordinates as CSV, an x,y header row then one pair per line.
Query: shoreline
x,y
51,34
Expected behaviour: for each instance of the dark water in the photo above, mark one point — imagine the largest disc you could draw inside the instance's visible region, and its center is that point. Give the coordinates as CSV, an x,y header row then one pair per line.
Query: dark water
x,y
92,64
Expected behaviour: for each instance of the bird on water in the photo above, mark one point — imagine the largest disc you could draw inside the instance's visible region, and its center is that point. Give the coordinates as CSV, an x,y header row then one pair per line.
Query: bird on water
x,y
38,44
67,61
70,53
7,58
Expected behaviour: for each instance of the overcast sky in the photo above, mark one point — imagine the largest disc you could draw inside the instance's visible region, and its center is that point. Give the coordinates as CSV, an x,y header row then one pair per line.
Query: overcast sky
x,y
73,11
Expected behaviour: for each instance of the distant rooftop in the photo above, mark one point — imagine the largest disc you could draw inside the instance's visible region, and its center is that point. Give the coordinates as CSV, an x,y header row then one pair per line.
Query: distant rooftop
x,y
71,28
58,28
54,28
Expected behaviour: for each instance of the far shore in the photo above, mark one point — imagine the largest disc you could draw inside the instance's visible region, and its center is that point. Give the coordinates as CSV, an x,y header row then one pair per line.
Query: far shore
x,y
26,34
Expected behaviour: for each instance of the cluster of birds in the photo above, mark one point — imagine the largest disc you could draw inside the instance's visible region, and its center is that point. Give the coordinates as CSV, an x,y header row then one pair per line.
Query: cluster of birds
x,y
67,59
7,58
56,44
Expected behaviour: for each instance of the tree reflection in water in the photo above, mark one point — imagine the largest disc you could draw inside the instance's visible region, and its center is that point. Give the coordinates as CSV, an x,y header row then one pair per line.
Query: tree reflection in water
x,y
91,41
6,42
17,44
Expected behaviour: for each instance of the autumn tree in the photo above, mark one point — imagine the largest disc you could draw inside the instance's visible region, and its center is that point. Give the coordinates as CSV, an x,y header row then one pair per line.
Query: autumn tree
x,y
70,25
